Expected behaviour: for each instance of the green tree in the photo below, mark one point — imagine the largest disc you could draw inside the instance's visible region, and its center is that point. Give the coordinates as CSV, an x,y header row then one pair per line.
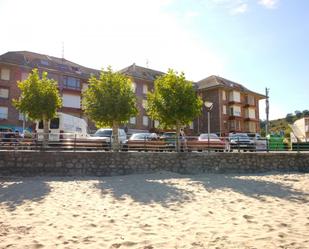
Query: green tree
x,y
39,99
173,102
110,101
298,114
305,113
289,118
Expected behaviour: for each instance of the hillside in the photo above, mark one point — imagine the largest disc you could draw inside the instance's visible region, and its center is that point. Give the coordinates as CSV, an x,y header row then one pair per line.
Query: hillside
x,y
282,124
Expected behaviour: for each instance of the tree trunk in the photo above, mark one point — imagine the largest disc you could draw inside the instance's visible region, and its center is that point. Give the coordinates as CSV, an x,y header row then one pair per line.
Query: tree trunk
x,y
115,137
46,132
178,142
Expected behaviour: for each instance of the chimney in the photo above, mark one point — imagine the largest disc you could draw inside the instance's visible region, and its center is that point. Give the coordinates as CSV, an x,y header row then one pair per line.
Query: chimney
x,y
134,68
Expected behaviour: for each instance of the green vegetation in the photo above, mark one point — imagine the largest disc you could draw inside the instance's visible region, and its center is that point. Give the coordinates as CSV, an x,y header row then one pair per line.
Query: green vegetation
x,y
39,99
174,102
110,101
282,124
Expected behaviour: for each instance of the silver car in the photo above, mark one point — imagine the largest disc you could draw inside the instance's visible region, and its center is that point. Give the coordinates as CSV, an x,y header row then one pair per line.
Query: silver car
x,y
105,134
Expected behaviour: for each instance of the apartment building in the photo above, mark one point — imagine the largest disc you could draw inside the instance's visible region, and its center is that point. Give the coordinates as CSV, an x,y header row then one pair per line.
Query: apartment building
x,y
142,81
235,108
15,66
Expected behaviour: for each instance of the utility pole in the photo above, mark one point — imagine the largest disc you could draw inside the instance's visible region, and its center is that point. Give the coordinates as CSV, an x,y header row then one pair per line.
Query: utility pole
x,y
267,111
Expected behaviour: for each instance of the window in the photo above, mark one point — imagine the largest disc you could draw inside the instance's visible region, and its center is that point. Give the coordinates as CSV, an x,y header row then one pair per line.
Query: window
x,y
235,96
235,111
145,89
144,104
191,126
223,95
52,76
156,123
235,125
4,93
250,126
250,100
71,100
54,123
44,62
5,74
133,87
133,120
3,112
24,76
251,113
224,109
145,120
71,82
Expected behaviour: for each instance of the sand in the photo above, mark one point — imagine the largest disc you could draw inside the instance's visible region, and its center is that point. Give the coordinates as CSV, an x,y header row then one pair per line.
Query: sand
x,y
161,210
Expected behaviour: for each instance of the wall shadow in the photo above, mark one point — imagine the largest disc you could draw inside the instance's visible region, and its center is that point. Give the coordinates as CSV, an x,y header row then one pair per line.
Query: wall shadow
x,y
146,188
253,188
15,191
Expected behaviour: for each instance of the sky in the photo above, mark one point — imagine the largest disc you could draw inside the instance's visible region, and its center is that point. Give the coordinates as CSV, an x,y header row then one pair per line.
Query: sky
x,y
257,43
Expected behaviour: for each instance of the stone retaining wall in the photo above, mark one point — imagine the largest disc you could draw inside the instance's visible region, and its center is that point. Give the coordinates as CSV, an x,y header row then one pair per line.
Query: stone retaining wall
x,y
113,163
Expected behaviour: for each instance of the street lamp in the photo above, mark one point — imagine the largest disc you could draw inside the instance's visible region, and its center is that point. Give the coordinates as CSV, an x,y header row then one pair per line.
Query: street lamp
x,y
209,105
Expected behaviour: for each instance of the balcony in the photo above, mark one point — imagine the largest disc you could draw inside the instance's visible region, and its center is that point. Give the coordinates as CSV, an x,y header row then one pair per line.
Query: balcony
x,y
234,102
71,83
247,118
249,101
71,87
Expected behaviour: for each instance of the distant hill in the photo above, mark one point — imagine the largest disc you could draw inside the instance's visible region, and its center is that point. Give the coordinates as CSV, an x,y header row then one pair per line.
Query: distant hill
x,y
282,124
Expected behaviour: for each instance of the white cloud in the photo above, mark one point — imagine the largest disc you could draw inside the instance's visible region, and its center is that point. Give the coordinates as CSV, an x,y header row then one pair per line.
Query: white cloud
x,y
234,7
103,33
191,14
269,4
240,9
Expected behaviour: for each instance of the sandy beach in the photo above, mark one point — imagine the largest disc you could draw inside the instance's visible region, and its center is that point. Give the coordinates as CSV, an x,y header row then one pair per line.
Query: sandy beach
x,y
161,210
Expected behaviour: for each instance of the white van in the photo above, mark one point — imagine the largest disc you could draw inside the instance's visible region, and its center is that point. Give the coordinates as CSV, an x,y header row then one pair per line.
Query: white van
x,y
64,126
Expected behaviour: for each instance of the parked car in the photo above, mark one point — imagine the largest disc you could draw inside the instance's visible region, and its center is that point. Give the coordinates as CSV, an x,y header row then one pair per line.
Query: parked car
x,y
215,143
64,126
170,139
7,135
241,141
142,141
105,134
260,143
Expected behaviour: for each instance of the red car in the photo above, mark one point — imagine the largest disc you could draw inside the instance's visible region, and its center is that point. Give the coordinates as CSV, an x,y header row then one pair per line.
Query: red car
x,y
203,143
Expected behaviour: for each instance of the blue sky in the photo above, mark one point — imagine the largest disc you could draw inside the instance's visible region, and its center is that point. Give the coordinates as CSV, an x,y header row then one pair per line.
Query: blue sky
x,y
258,43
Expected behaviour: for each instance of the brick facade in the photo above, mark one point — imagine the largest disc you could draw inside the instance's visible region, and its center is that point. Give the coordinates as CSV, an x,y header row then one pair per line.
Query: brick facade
x,y
70,77
235,108
73,79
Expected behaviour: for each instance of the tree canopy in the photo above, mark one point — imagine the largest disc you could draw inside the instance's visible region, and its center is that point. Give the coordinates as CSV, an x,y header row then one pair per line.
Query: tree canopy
x,y
39,97
173,102
109,99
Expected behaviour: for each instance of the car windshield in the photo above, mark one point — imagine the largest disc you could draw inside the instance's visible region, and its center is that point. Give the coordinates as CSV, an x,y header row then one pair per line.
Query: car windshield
x,y
169,134
236,136
139,136
103,133
211,136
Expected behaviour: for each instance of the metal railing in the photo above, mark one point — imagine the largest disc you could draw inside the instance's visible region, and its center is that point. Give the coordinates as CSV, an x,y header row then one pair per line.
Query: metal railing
x,y
73,142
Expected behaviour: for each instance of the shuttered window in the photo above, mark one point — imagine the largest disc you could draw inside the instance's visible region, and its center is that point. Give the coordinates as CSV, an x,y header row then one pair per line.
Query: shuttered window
x,y
70,100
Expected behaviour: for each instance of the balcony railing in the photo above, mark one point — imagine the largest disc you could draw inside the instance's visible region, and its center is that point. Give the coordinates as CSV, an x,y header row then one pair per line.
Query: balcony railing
x,y
67,86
